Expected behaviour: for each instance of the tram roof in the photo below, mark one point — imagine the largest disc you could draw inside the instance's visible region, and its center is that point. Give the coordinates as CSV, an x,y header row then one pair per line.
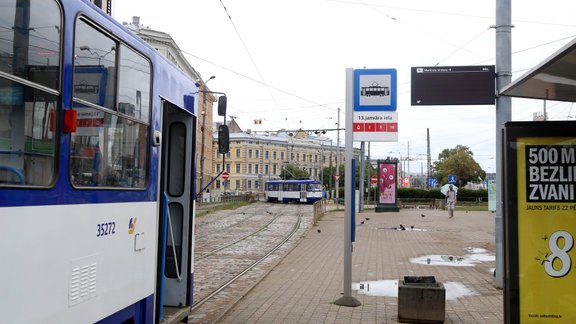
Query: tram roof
x,y
553,79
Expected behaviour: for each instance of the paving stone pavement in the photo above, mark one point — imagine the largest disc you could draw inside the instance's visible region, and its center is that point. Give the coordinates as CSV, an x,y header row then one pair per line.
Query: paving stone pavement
x,y
302,288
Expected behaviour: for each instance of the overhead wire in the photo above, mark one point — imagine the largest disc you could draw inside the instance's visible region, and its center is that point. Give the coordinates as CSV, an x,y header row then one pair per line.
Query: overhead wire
x,y
373,7
250,56
316,104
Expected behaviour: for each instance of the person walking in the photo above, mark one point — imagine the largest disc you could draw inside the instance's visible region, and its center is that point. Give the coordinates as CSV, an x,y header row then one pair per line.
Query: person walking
x,y
451,201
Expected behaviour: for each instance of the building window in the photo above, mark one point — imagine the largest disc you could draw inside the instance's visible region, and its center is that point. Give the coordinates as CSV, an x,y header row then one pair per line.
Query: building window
x,y
249,168
237,184
256,168
266,167
249,184
274,169
249,154
267,155
217,184
274,155
217,168
257,154
228,167
237,152
237,167
281,156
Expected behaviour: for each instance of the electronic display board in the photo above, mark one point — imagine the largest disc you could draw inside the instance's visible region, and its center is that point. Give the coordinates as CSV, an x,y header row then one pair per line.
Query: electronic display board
x,y
453,85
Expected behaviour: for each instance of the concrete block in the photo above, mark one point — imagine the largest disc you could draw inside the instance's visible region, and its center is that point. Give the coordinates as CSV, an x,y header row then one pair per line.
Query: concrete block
x,y
421,300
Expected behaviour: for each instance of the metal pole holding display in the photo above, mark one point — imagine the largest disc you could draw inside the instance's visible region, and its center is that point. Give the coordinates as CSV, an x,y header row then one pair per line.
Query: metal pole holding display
x,y
347,299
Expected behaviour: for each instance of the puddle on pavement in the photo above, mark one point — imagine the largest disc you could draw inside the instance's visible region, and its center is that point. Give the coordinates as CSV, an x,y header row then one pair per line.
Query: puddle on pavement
x,y
389,288
474,256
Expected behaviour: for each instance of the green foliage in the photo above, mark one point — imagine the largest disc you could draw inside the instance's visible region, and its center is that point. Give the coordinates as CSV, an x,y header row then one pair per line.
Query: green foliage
x,y
291,171
464,194
460,162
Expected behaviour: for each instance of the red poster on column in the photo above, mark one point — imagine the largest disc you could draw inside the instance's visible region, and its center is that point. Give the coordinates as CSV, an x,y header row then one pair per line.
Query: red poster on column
x,y
387,183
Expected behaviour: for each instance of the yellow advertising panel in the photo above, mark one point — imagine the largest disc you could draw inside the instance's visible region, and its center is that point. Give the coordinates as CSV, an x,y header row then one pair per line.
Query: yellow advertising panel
x,y
546,206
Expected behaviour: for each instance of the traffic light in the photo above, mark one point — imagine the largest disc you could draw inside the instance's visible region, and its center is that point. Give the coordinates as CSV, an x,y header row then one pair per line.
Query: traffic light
x,y
223,139
222,105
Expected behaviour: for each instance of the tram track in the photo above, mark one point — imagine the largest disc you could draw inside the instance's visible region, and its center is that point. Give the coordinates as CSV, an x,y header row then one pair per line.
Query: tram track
x,y
230,270
263,227
212,225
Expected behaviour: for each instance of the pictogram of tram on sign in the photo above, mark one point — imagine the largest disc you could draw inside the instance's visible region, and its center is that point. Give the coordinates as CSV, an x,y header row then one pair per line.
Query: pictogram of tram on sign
x,y
374,90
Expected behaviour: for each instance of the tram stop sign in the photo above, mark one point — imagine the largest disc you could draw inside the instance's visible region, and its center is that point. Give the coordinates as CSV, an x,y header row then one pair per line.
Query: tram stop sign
x,y
225,175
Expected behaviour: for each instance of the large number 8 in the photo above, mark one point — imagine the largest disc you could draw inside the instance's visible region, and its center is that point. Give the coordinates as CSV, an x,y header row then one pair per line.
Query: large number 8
x,y
559,253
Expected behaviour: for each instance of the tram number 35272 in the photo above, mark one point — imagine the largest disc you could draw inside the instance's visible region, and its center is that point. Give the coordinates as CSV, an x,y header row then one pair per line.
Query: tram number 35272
x,y
104,229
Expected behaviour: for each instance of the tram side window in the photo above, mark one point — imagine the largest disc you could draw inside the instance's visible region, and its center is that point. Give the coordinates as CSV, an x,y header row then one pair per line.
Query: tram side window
x,y
94,66
110,146
29,50
291,187
134,85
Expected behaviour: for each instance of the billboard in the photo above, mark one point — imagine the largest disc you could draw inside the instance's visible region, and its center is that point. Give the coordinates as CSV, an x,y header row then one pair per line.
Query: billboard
x,y
540,222
387,186
453,85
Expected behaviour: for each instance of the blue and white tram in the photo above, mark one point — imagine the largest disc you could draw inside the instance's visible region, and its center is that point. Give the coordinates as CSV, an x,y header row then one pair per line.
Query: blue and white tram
x,y
304,191
97,147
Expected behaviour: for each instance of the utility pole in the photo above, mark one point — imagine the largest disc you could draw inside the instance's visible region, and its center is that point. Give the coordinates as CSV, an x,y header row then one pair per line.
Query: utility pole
x,y
408,159
369,175
338,160
429,162
503,114
202,157
361,177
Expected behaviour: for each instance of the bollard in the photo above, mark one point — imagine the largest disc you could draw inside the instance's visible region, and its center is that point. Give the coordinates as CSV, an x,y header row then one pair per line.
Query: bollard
x,y
421,300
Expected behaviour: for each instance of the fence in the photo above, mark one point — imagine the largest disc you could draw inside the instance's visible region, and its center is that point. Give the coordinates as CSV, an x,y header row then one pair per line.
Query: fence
x,y
319,209
435,203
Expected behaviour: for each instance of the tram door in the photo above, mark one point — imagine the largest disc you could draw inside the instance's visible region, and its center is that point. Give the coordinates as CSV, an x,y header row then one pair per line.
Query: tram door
x,y
178,145
303,193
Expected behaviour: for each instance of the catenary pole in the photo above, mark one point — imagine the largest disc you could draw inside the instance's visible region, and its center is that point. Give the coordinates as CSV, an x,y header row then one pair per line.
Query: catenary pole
x,y
503,114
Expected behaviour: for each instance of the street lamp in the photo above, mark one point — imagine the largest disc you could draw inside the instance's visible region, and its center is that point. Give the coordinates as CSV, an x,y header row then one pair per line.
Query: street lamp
x,y
202,157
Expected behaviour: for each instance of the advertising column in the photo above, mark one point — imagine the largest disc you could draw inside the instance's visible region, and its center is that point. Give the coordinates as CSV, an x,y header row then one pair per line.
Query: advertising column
x,y
387,186
540,222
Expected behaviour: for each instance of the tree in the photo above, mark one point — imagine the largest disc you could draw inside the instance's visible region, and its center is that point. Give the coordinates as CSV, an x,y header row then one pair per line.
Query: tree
x,y
460,162
291,171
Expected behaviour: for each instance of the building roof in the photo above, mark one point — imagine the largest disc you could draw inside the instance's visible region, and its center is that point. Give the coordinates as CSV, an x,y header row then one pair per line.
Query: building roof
x,y
161,40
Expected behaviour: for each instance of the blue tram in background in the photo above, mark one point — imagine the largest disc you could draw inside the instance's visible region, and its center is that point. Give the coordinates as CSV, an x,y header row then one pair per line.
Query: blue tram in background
x,y
301,191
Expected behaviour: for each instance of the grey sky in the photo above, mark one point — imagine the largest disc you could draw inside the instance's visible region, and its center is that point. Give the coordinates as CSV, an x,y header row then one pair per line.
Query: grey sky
x,y
283,62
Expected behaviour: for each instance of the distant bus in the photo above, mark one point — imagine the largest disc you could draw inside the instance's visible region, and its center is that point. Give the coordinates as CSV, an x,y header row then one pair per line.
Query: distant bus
x,y
375,91
302,191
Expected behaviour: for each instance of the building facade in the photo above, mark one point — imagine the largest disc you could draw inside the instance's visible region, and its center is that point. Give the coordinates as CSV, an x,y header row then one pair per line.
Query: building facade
x,y
256,158
166,46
